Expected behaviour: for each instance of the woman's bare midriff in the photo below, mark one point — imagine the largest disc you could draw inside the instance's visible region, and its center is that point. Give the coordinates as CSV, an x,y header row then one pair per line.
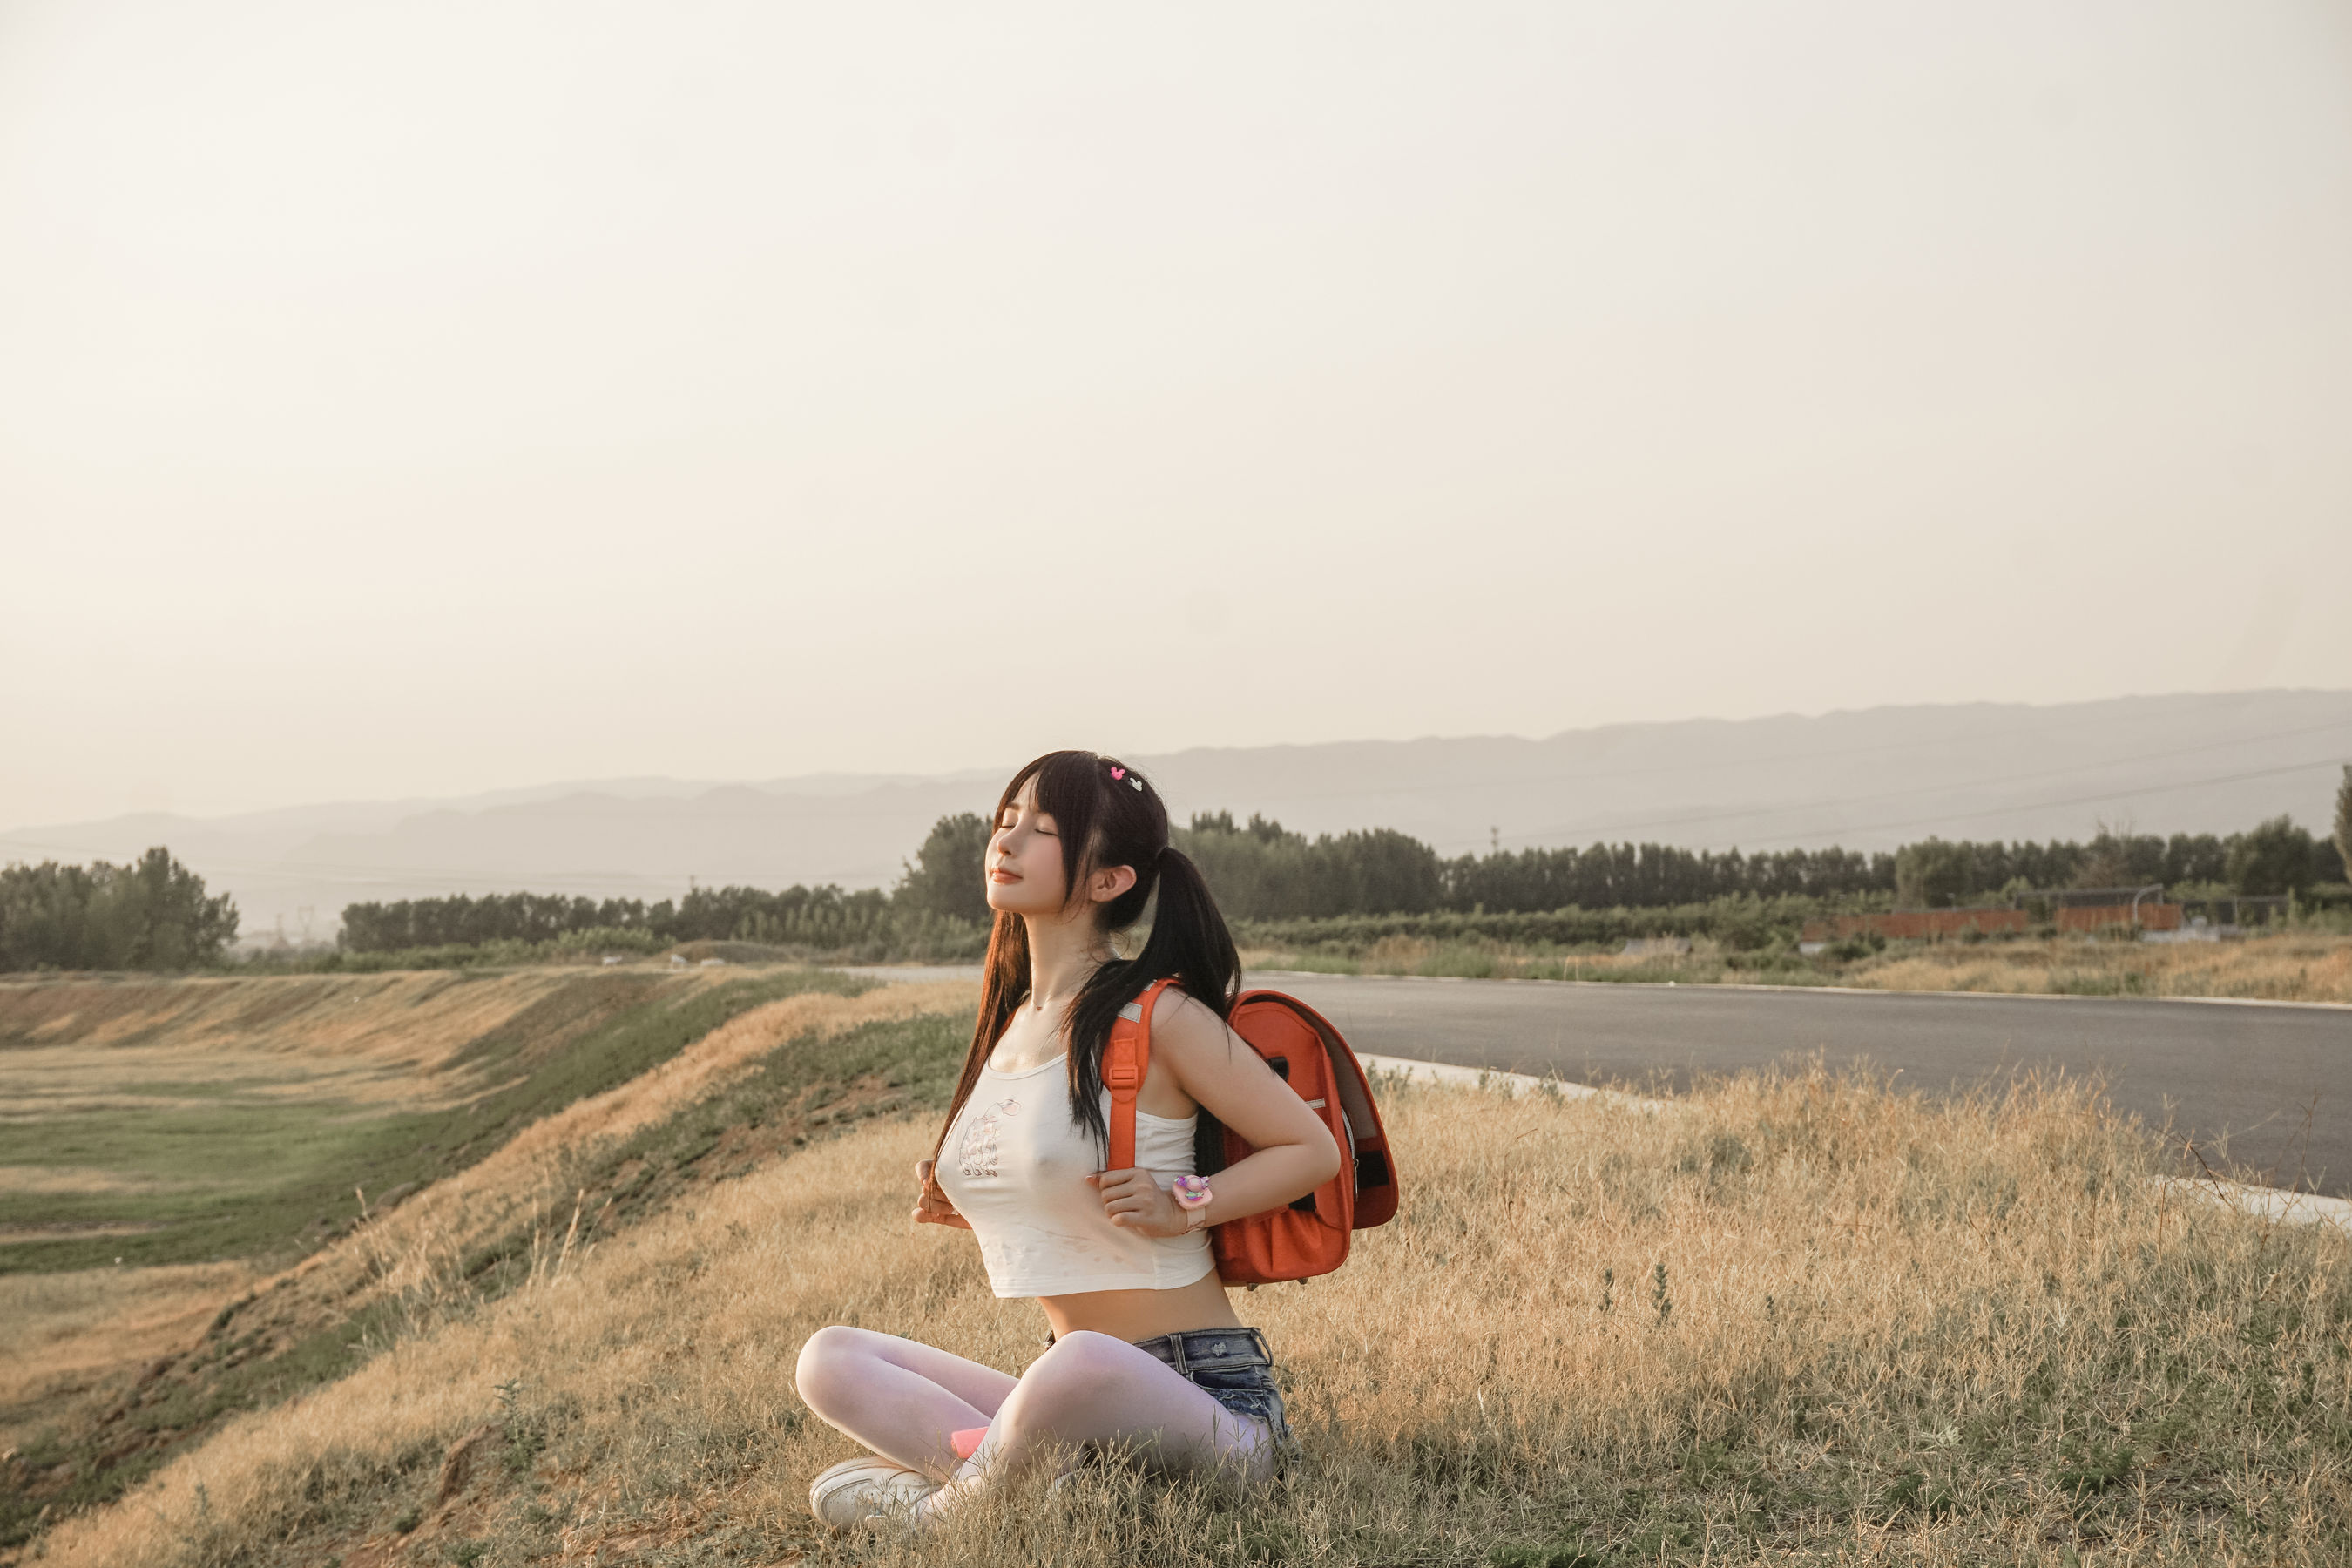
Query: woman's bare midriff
x,y
1136,1315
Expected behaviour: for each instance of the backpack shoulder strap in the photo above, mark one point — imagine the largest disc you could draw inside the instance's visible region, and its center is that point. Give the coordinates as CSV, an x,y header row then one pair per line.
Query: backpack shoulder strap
x,y
1125,1059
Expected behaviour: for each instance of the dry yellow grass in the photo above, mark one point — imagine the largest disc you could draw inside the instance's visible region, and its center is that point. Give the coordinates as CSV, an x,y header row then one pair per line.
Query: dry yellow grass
x,y
1797,1320
81,1045
47,1179
61,1335
415,1250
2289,968
2301,966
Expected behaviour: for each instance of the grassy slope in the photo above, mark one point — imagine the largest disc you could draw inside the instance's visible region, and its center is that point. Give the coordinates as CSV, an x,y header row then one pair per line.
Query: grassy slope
x,y
1794,1319
243,1168
582,1061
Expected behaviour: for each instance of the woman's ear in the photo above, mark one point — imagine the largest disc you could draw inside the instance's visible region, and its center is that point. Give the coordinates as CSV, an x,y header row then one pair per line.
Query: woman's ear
x,y
1109,883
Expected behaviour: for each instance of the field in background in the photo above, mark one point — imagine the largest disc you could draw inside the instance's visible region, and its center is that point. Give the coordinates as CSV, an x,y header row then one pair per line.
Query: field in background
x,y
1790,1319
2309,962
150,1120
210,1133
2295,967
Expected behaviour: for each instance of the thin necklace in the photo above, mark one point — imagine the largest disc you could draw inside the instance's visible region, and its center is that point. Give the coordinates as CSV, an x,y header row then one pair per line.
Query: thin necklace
x,y
1037,1003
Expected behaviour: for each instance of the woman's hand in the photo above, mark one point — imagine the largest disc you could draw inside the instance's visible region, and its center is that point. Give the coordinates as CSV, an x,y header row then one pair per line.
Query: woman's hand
x,y
930,1210
1292,1153
1135,1201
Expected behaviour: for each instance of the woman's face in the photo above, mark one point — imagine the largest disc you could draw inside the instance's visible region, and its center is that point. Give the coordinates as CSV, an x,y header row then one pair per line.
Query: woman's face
x,y
1025,866
1024,859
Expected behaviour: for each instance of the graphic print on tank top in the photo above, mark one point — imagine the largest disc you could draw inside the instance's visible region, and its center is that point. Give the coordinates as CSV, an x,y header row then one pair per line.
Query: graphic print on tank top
x,y
979,1154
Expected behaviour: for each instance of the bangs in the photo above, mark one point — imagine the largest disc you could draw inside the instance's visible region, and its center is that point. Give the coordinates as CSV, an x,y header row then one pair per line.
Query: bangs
x,y
1069,790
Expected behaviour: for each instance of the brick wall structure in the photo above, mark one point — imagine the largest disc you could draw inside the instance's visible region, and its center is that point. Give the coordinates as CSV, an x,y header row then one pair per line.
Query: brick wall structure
x,y
1931,925
1915,925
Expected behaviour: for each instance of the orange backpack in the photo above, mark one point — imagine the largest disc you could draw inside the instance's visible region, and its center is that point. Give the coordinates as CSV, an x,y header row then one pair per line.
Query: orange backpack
x,y
1311,1235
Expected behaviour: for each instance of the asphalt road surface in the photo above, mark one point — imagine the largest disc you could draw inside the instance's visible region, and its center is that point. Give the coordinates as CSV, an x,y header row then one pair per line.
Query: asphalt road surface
x,y
2277,1080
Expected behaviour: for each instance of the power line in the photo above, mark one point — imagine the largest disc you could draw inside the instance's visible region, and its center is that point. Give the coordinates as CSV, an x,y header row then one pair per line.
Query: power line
x,y
1832,754
1715,816
2089,799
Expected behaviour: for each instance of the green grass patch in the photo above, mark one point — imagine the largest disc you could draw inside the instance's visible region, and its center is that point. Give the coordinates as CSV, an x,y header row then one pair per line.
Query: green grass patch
x,y
236,1172
807,1088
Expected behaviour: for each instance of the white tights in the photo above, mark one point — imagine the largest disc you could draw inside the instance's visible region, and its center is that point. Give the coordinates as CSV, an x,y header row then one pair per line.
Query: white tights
x,y
902,1399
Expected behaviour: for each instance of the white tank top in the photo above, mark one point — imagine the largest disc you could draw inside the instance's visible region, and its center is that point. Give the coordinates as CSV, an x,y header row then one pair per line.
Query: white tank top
x,y
1015,1165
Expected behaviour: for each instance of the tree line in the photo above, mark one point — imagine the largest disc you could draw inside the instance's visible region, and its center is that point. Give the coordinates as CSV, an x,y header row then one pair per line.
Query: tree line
x,y
152,913
938,900
826,918
155,913
2275,858
1262,871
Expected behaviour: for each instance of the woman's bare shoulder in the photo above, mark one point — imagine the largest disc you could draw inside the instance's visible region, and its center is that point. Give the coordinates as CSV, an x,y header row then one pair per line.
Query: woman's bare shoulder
x,y
1187,1025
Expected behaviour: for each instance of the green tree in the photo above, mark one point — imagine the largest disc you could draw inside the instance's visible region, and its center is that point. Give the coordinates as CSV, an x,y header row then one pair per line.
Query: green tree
x,y
947,876
2275,858
1375,872
2119,858
1933,874
162,918
1258,872
2344,822
150,914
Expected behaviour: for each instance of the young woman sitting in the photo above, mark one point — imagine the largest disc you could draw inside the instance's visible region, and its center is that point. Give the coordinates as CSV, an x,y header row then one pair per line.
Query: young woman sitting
x,y
1145,1352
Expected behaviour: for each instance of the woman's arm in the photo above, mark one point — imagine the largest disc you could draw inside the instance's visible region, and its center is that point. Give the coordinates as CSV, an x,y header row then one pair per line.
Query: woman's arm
x,y
1293,1152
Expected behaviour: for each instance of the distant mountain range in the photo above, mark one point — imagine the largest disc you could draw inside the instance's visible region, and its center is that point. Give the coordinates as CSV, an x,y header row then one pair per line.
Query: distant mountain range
x,y
1869,779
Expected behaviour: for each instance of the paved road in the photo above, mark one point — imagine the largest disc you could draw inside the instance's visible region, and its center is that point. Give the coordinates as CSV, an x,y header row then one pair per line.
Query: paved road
x,y
2276,1079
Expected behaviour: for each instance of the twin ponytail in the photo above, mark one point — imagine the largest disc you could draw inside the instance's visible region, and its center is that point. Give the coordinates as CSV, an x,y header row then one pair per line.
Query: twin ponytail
x,y
1189,944
1105,819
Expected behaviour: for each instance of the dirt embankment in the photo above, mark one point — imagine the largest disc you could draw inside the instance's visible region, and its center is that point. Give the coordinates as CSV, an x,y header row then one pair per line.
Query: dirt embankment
x,y
112,1369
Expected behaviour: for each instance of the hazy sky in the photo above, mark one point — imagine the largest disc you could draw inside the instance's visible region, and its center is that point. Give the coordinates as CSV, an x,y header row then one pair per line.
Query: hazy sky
x,y
411,398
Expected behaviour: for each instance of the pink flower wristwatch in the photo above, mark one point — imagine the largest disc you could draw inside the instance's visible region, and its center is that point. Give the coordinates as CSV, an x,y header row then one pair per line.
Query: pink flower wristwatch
x,y
1191,1192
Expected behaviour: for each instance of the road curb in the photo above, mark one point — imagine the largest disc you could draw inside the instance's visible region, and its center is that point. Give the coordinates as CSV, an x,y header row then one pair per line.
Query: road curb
x,y
2270,1205
1512,1084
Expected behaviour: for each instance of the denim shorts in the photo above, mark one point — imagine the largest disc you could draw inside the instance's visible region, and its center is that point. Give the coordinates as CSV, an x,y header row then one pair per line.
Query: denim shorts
x,y
1231,1367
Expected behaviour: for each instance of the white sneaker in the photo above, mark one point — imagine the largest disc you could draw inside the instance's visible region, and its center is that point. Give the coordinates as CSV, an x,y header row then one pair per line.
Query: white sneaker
x,y
848,1495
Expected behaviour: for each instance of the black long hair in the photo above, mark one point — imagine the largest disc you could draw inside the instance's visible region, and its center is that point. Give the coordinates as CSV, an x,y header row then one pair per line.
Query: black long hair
x,y
1107,814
